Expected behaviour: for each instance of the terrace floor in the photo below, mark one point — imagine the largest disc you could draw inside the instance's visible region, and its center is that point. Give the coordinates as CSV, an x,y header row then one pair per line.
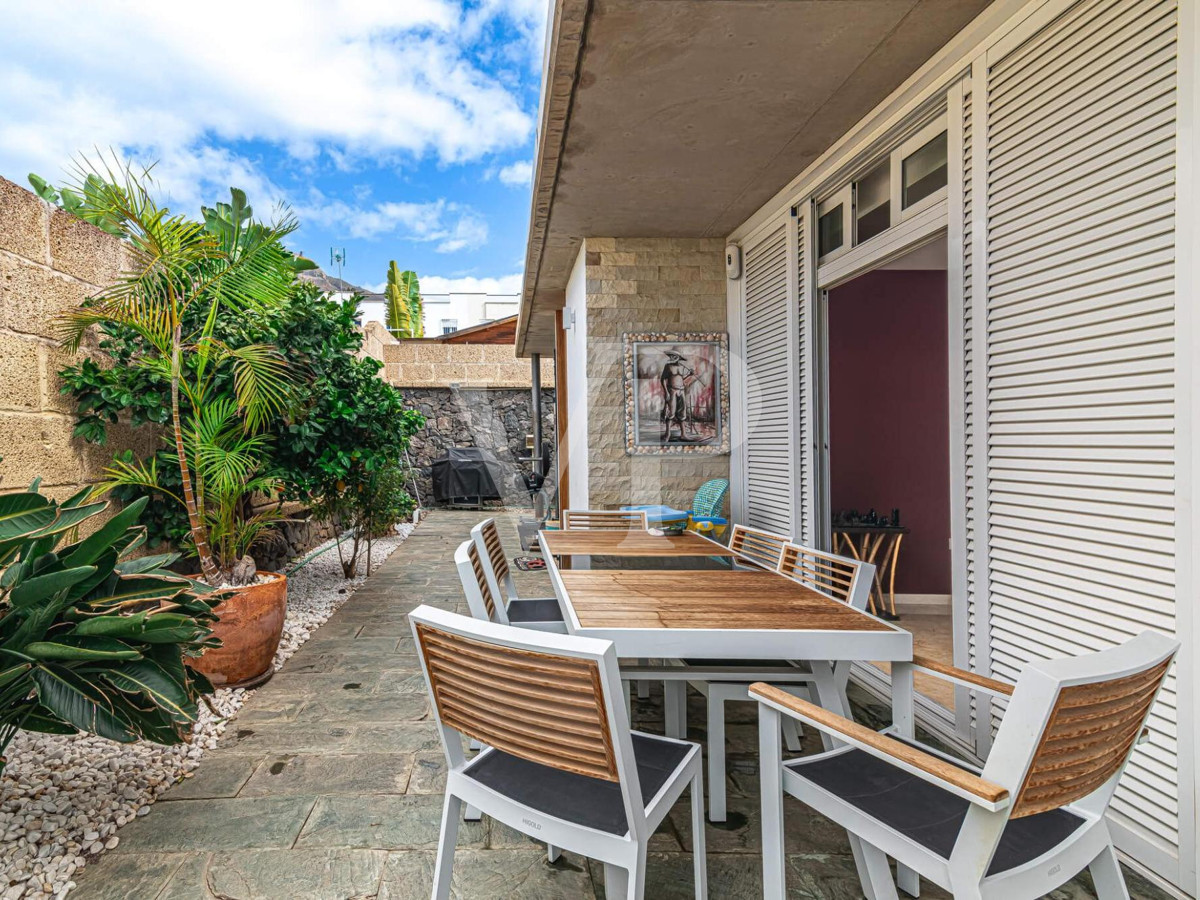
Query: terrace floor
x,y
328,783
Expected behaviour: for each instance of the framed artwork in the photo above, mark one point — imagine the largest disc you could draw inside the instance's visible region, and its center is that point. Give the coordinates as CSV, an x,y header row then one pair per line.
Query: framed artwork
x,y
676,393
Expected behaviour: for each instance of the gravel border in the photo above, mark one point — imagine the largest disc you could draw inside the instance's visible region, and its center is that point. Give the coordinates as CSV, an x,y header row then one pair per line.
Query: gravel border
x,y
62,799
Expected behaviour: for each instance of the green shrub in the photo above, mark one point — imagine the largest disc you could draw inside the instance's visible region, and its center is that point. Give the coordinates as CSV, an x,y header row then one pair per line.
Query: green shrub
x,y
90,638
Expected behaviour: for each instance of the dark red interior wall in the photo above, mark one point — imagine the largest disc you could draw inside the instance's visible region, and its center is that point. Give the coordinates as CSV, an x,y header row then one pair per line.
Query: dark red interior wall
x,y
889,413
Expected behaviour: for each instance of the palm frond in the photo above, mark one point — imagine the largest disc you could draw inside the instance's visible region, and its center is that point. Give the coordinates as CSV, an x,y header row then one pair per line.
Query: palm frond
x,y
262,382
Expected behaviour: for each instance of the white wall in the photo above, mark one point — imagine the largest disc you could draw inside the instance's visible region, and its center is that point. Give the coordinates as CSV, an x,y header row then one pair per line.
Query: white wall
x,y
577,391
464,309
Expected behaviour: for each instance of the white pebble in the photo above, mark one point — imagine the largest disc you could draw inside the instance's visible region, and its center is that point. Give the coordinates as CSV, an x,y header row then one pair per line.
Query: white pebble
x,y
63,797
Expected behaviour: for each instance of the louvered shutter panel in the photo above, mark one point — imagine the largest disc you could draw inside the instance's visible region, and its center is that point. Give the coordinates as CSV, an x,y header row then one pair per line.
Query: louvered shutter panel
x,y
803,451
769,404
1080,355
970,448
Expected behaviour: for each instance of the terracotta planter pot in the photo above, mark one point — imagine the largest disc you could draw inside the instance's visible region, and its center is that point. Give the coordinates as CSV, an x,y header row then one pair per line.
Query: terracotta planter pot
x,y
250,626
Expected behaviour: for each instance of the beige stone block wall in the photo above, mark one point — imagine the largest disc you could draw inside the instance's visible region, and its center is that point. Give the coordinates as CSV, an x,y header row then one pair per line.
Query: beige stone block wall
x,y
433,364
49,262
644,284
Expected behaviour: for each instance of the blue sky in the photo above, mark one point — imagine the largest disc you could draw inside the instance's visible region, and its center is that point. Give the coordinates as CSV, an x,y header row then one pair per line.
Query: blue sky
x,y
397,129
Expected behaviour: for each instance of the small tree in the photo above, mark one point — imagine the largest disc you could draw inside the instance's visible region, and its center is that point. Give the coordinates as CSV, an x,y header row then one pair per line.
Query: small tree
x,y
405,311
179,266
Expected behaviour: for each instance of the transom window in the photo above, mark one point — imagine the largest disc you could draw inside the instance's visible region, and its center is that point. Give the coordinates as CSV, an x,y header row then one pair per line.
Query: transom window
x,y
910,179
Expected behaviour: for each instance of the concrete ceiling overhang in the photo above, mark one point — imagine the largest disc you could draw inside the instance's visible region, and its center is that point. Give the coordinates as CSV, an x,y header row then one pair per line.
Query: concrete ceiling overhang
x,y
680,118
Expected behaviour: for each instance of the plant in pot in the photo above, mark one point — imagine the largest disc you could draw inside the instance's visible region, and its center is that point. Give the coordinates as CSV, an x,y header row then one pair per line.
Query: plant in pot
x,y
91,639
183,275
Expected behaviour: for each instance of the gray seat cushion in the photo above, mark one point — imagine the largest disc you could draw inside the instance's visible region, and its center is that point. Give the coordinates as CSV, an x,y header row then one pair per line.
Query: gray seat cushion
x,y
539,610
578,798
925,812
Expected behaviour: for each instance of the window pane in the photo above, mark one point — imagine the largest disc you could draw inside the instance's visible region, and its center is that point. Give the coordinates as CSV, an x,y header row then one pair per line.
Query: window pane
x,y
924,172
829,229
872,194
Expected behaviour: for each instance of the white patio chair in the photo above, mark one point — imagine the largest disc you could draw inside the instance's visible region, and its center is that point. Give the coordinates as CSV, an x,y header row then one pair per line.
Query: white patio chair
x,y
756,547
542,613
604,520
1026,823
724,680
560,764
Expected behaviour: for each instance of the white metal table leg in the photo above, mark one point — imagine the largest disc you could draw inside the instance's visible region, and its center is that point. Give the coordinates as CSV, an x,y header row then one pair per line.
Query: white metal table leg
x,y
770,765
675,708
716,754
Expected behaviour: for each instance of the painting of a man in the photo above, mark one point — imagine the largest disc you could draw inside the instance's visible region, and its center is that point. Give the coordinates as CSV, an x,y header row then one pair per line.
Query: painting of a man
x,y
676,399
674,381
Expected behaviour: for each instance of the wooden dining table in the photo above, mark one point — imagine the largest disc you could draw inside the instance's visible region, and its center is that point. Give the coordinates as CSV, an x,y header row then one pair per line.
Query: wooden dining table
x,y
708,614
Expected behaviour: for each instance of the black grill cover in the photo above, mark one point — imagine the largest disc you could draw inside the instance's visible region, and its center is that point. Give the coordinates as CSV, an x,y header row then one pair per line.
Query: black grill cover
x,y
467,472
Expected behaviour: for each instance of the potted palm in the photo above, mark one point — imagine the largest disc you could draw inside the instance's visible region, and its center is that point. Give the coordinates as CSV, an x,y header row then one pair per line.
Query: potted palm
x,y
184,272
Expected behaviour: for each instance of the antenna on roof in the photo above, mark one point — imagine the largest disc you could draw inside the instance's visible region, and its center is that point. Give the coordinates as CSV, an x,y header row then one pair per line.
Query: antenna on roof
x,y
337,258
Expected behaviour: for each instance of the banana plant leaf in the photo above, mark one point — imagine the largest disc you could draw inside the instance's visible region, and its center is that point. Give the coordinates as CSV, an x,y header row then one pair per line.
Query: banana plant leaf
x,y
81,649
80,702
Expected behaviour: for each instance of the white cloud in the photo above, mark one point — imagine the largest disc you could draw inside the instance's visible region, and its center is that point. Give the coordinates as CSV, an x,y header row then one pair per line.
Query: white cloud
x,y
505,284
519,174
354,79
450,226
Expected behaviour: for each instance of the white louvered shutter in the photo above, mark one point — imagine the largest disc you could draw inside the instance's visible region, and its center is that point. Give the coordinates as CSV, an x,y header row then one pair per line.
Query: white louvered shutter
x,y
1080,355
769,404
970,449
804,464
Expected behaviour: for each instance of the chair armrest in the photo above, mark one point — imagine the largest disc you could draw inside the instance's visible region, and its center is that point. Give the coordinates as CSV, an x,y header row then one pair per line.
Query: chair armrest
x,y
962,676
924,765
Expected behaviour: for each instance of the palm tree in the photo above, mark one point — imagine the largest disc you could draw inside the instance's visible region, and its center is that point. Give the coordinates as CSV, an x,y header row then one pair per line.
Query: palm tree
x,y
405,311
179,266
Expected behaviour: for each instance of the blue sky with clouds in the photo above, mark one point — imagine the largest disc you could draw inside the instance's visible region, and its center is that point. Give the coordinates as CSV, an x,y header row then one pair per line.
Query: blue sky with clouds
x,y
398,129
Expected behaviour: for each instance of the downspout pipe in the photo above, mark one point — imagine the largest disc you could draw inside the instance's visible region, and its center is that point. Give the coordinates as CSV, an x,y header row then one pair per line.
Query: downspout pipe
x,y
535,369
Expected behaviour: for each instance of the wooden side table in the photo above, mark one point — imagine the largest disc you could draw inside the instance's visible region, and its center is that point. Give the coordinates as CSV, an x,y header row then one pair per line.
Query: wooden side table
x,y
880,546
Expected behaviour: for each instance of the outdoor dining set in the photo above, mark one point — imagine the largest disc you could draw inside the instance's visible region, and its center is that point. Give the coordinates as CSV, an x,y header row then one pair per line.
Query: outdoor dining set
x,y
532,696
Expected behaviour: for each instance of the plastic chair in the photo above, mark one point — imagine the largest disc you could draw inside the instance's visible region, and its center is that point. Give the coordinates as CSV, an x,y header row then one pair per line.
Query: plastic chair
x,y
704,516
559,762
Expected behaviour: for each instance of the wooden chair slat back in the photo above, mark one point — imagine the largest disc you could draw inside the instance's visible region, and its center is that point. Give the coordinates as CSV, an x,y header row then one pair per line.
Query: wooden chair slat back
x,y
824,572
495,550
481,579
1090,732
541,707
604,520
762,548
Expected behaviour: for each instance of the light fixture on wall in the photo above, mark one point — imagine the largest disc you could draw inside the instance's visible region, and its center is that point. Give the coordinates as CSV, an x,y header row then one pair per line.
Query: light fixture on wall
x,y
733,262
568,322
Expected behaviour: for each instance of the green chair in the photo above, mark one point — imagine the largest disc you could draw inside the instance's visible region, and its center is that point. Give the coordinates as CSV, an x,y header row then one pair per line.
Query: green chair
x,y
705,517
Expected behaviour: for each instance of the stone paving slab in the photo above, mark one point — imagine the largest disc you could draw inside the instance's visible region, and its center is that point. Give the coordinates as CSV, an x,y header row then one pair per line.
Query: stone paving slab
x,y
328,784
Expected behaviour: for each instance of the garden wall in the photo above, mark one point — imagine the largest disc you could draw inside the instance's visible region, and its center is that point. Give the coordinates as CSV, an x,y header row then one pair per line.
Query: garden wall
x,y
495,418
432,363
49,262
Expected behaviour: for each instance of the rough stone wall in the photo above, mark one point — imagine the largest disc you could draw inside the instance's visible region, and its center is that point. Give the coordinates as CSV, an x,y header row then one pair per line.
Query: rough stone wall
x,y
429,363
498,419
653,285
49,262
